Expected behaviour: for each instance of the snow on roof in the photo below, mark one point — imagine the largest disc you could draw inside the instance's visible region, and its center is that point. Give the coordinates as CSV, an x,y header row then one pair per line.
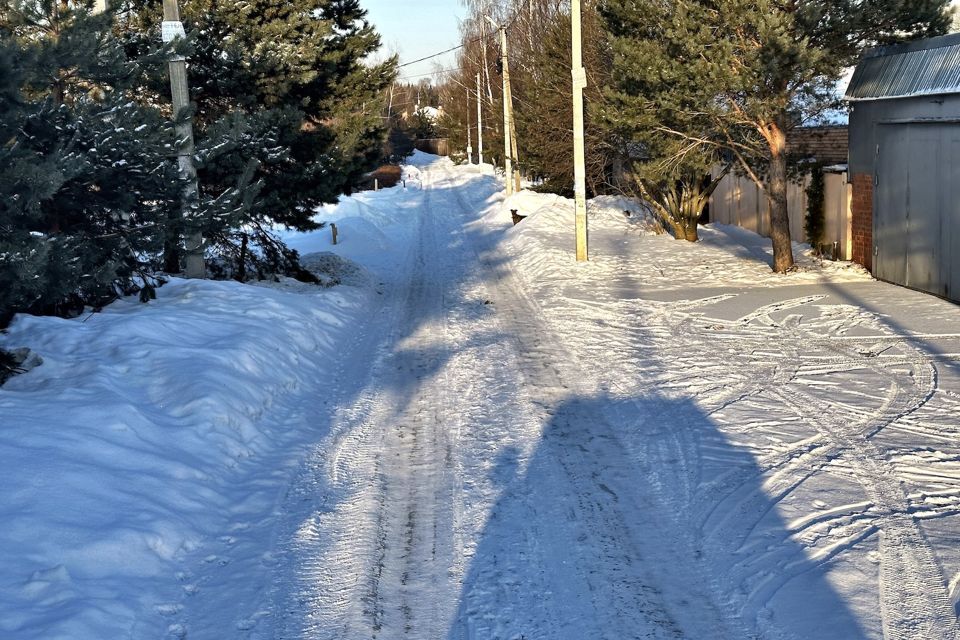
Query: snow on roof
x,y
430,112
918,68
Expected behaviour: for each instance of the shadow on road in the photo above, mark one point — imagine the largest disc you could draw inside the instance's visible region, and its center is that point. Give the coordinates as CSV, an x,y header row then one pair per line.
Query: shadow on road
x,y
590,538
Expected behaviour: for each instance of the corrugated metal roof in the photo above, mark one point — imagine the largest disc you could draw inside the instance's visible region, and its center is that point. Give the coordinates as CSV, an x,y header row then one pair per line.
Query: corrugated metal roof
x,y
920,68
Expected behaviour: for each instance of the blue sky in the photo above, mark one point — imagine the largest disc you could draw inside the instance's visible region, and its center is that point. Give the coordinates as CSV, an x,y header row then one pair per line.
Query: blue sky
x,y
417,28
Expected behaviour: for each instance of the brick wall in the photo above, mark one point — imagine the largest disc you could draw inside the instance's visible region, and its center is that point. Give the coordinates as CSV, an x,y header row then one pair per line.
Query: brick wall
x,y
826,144
862,219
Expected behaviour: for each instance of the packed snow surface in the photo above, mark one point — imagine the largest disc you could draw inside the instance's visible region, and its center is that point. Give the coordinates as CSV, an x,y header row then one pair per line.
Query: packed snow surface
x,y
474,437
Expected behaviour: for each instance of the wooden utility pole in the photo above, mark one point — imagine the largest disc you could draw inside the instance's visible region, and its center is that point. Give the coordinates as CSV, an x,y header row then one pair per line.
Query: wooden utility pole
x,y
172,29
579,161
507,150
479,124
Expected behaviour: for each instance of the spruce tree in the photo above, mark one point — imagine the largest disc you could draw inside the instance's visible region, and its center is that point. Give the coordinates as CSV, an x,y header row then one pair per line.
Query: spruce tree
x,y
285,84
742,74
88,184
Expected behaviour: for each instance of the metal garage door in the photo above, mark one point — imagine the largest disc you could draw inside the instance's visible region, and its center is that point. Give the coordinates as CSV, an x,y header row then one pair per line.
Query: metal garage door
x,y
917,207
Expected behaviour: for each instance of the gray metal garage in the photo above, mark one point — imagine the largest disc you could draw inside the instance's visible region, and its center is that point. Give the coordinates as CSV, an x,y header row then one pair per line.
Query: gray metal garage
x,y
905,164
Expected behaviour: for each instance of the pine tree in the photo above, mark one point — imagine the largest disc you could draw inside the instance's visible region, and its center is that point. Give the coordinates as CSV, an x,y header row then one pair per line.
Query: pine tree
x,y
740,75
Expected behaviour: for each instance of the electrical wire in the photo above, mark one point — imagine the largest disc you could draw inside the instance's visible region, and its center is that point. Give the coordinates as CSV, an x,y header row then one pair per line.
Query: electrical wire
x,y
421,75
436,55
459,46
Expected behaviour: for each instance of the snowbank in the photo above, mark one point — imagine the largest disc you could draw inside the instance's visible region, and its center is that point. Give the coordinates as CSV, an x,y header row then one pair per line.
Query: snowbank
x,y
148,427
117,455
152,431
619,243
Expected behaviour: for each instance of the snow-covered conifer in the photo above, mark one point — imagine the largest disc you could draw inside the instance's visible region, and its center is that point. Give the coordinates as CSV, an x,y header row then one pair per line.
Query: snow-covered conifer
x,y
88,183
284,101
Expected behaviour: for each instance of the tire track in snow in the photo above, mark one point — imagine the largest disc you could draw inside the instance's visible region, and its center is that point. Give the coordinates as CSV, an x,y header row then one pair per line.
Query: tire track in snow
x,y
914,597
589,459
790,467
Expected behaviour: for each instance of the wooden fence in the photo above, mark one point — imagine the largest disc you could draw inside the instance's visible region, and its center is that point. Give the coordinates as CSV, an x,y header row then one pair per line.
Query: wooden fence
x,y
739,202
436,146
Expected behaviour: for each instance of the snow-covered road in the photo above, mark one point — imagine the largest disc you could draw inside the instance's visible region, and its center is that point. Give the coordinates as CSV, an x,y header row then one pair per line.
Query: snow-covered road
x,y
538,455
480,439
477,488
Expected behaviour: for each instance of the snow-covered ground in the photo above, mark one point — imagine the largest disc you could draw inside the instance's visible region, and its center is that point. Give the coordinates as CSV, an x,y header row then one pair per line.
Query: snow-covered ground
x,y
476,438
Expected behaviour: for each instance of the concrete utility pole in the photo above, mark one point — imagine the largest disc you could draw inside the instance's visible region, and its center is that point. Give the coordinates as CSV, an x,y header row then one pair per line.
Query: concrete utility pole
x,y
479,124
172,29
514,154
469,134
507,155
579,161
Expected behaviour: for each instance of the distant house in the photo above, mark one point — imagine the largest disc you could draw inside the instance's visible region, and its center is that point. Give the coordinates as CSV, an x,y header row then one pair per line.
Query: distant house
x,y
905,164
434,114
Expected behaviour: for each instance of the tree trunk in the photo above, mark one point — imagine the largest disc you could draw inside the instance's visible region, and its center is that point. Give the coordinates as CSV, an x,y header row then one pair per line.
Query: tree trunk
x,y
690,232
486,66
172,253
777,194
242,262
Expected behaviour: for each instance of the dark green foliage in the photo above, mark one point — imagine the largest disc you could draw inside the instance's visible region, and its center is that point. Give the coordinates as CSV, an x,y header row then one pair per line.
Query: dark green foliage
x,y
740,75
815,221
280,84
400,142
90,193
87,186
544,103
422,125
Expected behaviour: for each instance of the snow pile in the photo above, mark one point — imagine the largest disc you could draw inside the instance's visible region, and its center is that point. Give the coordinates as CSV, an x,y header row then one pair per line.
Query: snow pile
x,y
419,159
543,244
373,227
156,440
118,454
148,427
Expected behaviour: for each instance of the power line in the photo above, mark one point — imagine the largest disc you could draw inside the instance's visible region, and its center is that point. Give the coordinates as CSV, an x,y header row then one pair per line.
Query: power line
x,y
459,46
435,55
421,75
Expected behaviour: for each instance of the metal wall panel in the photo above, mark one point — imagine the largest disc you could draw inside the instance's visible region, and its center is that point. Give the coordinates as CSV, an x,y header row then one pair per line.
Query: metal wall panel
x,y
924,212
916,206
891,203
951,218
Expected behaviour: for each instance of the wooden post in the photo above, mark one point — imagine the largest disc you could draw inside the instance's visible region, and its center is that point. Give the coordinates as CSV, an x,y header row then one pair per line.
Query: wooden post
x,y
172,29
333,230
579,161
514,153
376,184
511,175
